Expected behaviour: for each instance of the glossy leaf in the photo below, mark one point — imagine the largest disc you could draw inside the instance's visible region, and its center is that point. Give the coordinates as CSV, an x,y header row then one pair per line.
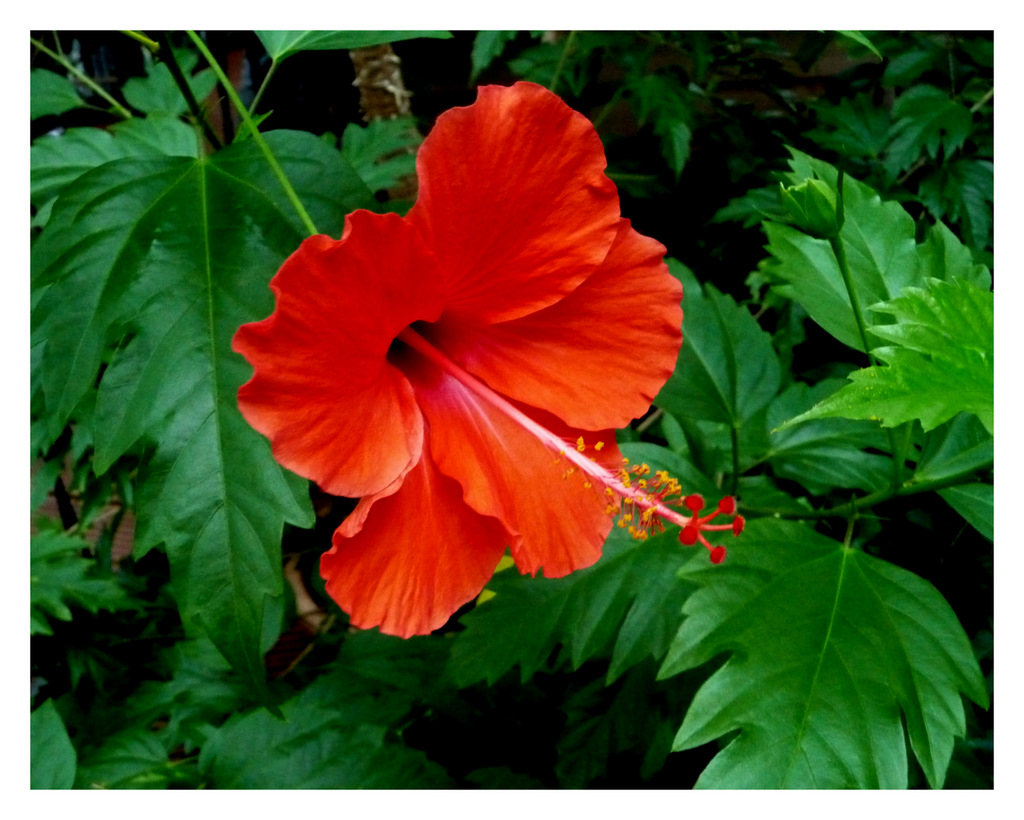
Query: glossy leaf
x,y
828,647
941,361
961,445
282,44
52,93
727,370
625,606
177,253
53,757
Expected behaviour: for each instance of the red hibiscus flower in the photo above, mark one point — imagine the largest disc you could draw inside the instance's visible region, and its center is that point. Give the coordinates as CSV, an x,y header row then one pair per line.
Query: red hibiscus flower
x,y
462,369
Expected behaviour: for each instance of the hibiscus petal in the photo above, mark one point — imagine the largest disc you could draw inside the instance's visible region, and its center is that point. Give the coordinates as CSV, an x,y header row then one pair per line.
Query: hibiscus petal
x,y
599,356
514,201
557,523
323,392
416,559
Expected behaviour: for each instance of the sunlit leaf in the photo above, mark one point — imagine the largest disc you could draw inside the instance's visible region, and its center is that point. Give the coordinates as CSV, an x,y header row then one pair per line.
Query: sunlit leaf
x,y
941,361
828,648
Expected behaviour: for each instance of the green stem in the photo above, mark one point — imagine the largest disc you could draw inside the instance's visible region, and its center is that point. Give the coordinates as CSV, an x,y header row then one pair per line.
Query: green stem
x,y
909,487
85,79
734,482
988,96
171,61
138,36
263,86
236,101
561,60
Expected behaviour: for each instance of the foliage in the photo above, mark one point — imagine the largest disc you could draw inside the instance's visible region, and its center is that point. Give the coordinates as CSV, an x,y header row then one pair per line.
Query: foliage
x,y
833,233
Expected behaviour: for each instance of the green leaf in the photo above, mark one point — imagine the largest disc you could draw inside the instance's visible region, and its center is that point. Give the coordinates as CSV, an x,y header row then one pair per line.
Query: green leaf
x,y
879,241
858,37
333,735
53,757
51,93
62,577
178,253
962,191
828,453
382,152
626,605
926,121
976,503
131,759
855,127
827,647
57,160
958,447
942,362
488,46
282,44
727,369
158,93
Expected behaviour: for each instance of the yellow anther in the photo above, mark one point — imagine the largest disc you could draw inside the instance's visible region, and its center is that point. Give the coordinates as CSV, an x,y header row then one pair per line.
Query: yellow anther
x,y
587,484
599,445
622,524
580,445
611,509
608,491
643,469
642,483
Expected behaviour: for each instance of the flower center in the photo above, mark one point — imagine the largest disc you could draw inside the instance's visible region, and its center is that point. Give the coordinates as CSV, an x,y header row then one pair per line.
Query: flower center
x,y
640,504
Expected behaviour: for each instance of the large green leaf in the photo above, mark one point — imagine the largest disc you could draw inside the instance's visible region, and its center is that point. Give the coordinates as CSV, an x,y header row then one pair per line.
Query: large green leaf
x,y
625,606
53,757
828,647
282,44
727,369
177,253
55,160
941,361
976,503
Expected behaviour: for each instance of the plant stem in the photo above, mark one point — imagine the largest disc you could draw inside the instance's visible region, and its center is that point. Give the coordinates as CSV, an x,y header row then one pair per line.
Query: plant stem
x,y
988,96
263,86
85,79
138,36
909,487
236,101
734,434
561,60
171,61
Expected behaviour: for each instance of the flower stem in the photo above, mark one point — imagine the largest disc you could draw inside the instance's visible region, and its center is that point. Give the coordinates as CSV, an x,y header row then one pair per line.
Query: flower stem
x,y
85,79
236,101
139,37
